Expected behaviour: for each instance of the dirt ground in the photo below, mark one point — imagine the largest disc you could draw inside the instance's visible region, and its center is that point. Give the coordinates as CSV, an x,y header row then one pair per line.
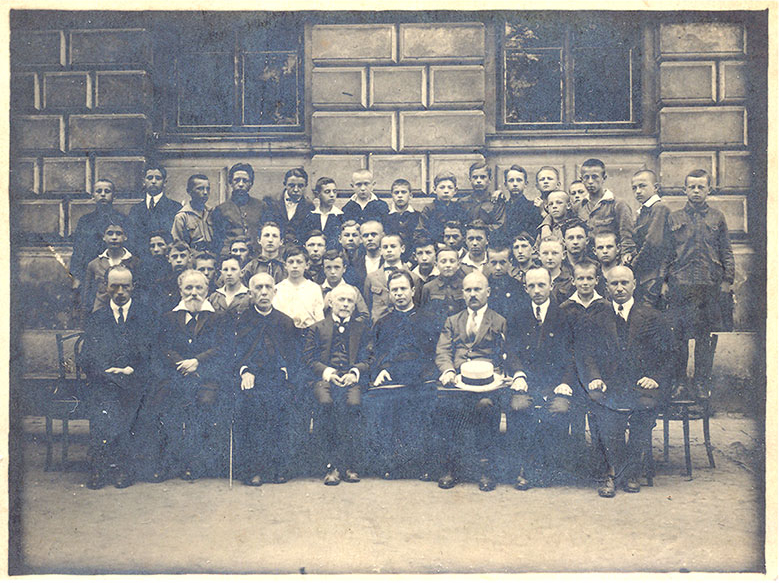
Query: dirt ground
x,y
712,523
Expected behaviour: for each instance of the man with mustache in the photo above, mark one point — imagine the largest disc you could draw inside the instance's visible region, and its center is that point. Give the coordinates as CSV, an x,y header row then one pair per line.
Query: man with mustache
x,y
241,215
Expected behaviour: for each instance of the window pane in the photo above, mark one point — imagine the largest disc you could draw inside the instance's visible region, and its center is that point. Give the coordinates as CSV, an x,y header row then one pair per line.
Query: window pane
x,y
533,92
541,33
205,89
270,89
602,85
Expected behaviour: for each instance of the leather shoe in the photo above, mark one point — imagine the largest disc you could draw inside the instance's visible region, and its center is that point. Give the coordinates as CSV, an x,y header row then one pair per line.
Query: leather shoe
x,y
333,478
522,483
123,480
425,477
279,479
486,483
351,476
96,480
254,480
188,476
446,482
632,485
157,477
607,489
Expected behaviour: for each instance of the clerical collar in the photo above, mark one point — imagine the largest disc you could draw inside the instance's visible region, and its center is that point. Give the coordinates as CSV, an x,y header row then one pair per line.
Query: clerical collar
x,y
263,313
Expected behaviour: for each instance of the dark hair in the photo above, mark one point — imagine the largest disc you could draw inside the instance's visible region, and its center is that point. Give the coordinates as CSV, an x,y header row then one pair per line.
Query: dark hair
x,y
498,247
572,224
204,256
394,234
455,225
333,254
179,246
445,175
477,165
298,172
117,267
400,182
241,166
594,163
269,224
516,168
164,235
349,224
191,180
114,221
423,241
154,165
523,236
320,183
293,250
314,233
229,258
398,274
108,180
478,225
605,231
699,173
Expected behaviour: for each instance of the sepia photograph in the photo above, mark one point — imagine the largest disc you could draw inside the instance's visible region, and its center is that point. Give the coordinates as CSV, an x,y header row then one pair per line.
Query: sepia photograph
x,y
478,290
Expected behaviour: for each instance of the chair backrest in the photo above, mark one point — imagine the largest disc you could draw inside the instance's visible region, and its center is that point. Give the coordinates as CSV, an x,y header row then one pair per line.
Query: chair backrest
x,y
69,356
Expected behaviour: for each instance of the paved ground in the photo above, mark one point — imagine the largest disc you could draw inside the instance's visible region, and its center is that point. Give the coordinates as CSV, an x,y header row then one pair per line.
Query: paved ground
x,y
712,523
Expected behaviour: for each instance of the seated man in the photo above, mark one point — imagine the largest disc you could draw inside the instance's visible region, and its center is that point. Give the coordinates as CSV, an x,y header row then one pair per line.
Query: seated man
x,y
338,353
114,354
267,352
627,373
476,333
403,413
539,353
191,370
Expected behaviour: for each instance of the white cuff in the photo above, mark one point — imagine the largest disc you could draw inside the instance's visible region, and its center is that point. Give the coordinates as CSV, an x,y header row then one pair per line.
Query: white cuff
x,y
243,370
356,372
328,373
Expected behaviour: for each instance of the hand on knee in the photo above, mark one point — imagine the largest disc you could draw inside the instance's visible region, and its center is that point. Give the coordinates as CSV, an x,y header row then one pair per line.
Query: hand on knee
x,y
559,405
521,402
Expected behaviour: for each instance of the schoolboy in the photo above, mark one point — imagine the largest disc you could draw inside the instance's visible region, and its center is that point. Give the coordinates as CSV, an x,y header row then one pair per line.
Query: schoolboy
x,y
364,205
480,205
578,193
521,213
268,260
180,259
443,208
334,267
607,253
350,243
424,257
649,261
233,297
523,256
154,213
115,253
193,223
375,291
700,267
403,218
316,245
551,253
505,291
547,180
291,210
476,241
298,297
154,271
559,212
454,237
326,216
205,263
603,210
240,248
576,243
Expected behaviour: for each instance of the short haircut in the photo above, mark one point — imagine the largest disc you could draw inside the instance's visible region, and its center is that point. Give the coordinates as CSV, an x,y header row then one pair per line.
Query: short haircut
x,y
699,173
333,254
117,267
292,251
191,180
179,246
164,235
321,183
114,221
551,169
189,272
446,249
372,221
314,233
204,256
574,224
477,166
348,225
499,247
542,269
298,172
229,258
647,171
398,236
241,166
478,225
108,180
577,181
605,232
400,182
423,241
585,264
516,168
363,171
594,163
554,240
558,191
397,275
240,239
455,225
445,175
155,165
524,236
267,224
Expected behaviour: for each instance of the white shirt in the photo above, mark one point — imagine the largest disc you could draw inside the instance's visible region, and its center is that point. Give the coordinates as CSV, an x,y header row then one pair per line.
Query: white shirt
x,y
648,204
242,289
575,297
478,266
152,200
290,206
204,307
433,273
335,211
393,210
372,264
544,308
477,316
362,204
125,256
302,302
625,308
115,309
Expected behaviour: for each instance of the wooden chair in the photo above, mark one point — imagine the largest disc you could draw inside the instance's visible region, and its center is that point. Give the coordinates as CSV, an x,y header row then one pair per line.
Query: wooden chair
x,y
65,401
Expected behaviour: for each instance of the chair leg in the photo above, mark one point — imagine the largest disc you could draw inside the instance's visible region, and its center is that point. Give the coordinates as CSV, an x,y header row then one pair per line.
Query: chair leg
x,y
707,436
665,434
49,443
65,441
686,429
649,461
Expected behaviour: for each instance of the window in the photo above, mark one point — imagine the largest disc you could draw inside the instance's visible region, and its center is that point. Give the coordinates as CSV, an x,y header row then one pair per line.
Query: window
x,y
231,73
580,71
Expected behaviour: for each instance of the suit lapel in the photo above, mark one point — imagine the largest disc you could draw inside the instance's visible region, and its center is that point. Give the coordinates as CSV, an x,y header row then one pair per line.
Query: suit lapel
x,y
354,341
486,322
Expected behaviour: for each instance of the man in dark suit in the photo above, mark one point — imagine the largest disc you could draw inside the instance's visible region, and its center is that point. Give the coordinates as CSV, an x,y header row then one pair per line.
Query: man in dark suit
x,y
649,260
154,213
476,333
191,369
539,352
267,353
241,215
291,211
338,352
627,373
116,344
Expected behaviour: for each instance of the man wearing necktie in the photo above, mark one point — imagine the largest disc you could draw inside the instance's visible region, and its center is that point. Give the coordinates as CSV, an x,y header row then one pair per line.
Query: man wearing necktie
x,y
475,333
116,341
338,353
626,371
154,213
191,369
540,354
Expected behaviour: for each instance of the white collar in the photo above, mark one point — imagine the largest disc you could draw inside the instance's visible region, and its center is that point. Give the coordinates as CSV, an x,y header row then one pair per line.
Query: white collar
x,y
652,200
393,210
468,261
333,211
156,198
607,195
242,289
544,308
433,273
205,307
260,313
626,307
125,256
480,312
371,199
410,307
115,309
575,297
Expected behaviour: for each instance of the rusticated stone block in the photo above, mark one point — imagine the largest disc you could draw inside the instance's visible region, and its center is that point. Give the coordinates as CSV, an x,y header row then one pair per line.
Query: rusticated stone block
x,y
735,170
457,164
445,41
732,81
39,132
386,169
39,217
339,87
702,38
688,81
674,167
365,130
116,46
24,92
124,172
123,90
61,90
714,126
398,87
457,86
178,175
65,175
30,47
338,167
441,129
80,207
24,176
107,132
353,43
733,206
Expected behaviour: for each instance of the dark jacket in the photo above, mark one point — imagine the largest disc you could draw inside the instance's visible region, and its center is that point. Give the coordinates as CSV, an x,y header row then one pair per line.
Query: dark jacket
x,y
142,222
649,261
375,210
399,348
318,342
266,344
236,217
436,214
292,230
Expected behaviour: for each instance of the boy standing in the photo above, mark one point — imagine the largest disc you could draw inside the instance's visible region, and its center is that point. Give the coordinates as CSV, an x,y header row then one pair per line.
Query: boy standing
x,y
648,263
523,256
154,213
521,213
114,238
454,237
298,297
476,242
233,296
578,193
551,253
424,255
575,240
205,263
326,217
334,267
316,246
402,217
607,254
193,223
364,205
505,291
268,260
559,213
480,205
547,180
376,292
444,208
